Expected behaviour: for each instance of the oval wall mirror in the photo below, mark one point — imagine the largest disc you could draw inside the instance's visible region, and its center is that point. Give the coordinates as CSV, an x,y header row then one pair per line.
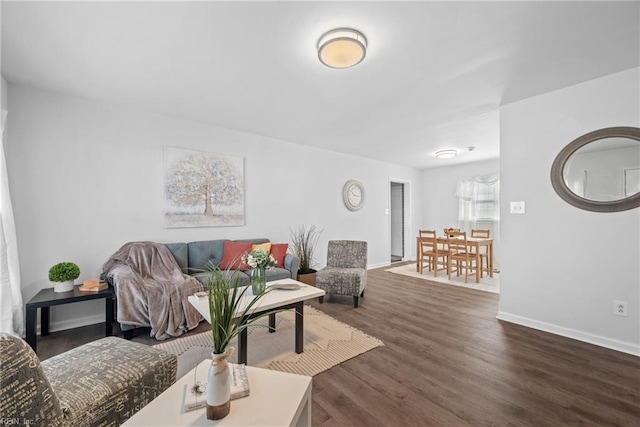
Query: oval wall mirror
x,y
600,171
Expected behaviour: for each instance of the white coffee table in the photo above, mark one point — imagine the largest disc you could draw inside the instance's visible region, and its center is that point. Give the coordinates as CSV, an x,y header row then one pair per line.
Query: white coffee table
x,y
275,399
274,299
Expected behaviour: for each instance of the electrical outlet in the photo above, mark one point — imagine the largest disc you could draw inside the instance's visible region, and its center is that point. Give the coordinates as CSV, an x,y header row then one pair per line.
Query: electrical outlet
x,y
620,308
517,207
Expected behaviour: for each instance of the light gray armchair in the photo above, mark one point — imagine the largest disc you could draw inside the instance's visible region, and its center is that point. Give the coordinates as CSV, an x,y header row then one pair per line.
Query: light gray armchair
x,y
346,270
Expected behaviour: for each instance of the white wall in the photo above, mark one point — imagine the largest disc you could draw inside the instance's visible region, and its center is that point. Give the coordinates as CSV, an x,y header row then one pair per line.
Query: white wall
x,y
86,178
4,94
3,87
562,267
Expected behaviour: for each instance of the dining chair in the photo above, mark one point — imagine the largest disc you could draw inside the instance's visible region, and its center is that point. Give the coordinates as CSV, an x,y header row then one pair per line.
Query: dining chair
x,y
459,252
484,256
431,252
423,234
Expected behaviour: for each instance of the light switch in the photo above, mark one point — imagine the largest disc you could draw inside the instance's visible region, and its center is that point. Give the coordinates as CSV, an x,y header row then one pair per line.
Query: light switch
x,y
517,207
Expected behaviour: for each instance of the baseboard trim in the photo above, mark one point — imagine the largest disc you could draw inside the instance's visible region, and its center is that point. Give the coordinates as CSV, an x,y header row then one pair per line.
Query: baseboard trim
x,y
622,346
378,265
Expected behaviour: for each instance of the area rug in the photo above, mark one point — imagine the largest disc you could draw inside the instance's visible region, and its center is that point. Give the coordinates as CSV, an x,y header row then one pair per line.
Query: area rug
x,y
327,342
487,284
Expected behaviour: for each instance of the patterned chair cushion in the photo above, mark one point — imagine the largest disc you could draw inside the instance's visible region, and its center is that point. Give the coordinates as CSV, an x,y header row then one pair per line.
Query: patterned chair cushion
x,y
341,281
105,382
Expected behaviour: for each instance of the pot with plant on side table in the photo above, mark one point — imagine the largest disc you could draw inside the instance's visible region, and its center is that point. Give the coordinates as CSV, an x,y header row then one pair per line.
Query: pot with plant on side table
x,y
63,274
303,242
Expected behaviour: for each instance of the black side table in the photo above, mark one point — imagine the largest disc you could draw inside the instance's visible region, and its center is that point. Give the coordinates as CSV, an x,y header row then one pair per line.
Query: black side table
x,y
47,298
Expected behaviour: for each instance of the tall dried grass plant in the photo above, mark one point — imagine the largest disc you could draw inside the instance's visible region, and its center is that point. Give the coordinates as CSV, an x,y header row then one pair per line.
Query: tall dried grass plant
x,y
304,241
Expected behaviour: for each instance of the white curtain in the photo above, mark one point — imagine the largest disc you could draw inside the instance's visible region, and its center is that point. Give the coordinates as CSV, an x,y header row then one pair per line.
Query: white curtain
x,y
479,200
479,207
11,308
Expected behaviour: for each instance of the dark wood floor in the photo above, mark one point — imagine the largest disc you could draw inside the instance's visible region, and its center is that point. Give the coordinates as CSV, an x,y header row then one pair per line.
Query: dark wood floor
x,y
447,361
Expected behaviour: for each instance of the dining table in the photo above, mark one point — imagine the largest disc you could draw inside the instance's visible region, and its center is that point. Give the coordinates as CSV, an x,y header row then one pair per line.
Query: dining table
x,y
474,244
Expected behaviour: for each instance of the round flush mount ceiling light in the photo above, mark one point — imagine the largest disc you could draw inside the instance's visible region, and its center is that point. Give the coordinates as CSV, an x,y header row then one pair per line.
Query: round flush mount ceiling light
x,y
342,48
446,154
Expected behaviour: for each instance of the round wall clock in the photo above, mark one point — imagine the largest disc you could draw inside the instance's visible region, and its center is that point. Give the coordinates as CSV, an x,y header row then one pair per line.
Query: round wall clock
x,y
353,195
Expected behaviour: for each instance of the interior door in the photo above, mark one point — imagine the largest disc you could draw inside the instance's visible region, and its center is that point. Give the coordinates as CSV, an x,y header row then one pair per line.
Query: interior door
x,y
397,221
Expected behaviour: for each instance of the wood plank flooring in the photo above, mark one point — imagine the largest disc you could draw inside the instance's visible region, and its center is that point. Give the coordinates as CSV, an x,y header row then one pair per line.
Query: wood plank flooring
x,y
447,361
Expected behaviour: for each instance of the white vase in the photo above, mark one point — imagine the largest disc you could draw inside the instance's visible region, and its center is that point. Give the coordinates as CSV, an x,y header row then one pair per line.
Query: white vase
x,y
63,286
219,386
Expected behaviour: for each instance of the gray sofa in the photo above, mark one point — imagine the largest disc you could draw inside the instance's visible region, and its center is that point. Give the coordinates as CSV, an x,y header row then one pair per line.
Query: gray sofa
x,y
194,258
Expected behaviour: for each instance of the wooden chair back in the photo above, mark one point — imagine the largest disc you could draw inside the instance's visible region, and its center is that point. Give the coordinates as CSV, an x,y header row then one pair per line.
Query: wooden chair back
x,y
482,234
427,241
457,242
426,233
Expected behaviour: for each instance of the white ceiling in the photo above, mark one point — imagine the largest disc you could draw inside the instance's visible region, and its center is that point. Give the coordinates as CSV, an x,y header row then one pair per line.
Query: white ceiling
x,y
434,76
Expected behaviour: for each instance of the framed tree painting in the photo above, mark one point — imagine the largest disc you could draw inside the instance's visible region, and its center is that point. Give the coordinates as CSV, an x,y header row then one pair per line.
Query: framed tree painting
x,y
202,189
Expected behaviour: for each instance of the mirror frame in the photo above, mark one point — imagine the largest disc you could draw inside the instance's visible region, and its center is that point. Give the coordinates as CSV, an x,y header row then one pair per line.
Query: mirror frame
x,y
565,193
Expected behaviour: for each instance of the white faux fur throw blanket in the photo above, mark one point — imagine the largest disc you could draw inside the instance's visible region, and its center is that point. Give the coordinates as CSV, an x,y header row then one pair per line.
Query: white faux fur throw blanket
x,y
151,289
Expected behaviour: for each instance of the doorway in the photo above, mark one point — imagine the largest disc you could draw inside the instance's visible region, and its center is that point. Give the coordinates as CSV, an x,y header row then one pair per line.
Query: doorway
x,y
397,205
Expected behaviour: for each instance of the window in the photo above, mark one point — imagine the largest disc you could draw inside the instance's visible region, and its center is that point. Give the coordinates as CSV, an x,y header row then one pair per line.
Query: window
x,y
479,208
486,204
479,200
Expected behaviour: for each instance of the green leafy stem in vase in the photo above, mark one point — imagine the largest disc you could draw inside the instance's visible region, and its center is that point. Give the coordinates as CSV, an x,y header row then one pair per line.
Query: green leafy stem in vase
x,y
231,307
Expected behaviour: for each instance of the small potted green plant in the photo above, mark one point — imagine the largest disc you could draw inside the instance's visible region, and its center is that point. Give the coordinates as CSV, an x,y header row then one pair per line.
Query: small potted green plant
x,y
63,274
303,242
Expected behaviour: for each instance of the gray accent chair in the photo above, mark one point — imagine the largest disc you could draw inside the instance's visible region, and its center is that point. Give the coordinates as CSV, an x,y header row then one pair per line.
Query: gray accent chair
x,y
346,270
102,383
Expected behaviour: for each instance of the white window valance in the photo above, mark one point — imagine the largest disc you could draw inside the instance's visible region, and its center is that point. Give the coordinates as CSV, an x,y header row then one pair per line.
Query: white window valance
x,y
467,188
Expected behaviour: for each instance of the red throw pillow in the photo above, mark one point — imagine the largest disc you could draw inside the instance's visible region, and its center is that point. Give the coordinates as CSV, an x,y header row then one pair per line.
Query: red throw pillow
x,y
232,255
279,251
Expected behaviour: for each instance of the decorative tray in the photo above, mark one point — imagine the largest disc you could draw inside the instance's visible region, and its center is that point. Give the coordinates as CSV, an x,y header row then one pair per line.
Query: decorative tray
x,y
285,286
